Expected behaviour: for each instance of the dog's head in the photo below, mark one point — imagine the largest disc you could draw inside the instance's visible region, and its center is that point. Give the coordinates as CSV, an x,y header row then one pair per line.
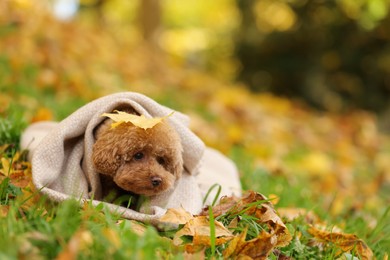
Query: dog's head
x,y
145,162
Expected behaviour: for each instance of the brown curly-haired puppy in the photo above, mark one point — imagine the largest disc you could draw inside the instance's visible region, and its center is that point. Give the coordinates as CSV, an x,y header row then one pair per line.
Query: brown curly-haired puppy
x,y
144,162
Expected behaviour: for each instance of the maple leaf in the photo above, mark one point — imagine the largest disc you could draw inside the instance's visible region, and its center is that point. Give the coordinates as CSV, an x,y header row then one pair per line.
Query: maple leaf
x,y
141,121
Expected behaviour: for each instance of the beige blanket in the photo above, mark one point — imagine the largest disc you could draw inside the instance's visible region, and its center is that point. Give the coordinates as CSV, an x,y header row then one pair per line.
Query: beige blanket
x,y
62,167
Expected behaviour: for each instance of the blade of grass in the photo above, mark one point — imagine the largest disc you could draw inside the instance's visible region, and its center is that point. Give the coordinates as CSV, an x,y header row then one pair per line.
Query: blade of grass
x,y
216,185
212,232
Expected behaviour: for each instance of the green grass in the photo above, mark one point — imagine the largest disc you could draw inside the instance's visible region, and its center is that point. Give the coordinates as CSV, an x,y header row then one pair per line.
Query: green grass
x,y
44,229
11,127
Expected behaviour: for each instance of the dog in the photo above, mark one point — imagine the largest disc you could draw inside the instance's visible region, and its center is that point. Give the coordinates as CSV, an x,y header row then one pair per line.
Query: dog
x,y
133,160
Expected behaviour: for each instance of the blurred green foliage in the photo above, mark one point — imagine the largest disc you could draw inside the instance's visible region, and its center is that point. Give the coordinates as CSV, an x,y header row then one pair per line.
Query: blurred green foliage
x,y
334,54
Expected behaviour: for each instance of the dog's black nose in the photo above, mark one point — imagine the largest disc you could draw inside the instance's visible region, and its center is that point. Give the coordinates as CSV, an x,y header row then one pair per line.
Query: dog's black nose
x,y
156,181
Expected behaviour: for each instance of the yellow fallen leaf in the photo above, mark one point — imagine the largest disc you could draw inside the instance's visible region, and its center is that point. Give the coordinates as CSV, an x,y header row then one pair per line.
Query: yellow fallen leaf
x,y
176,216
5,166
141,121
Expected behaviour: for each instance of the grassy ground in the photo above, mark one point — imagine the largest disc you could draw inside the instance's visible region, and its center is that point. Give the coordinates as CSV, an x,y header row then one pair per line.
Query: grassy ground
x,y
336,166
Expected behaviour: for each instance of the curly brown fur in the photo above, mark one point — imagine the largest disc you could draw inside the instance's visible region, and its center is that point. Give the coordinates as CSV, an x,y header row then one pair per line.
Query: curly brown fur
x,y
144,162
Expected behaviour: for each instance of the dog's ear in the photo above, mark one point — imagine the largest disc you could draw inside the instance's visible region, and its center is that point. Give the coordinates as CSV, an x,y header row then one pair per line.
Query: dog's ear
x,y
177,164
105,158
101,128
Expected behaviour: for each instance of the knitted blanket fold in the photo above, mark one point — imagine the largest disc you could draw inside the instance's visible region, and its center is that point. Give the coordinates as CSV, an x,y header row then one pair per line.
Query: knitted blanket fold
x,y
62,166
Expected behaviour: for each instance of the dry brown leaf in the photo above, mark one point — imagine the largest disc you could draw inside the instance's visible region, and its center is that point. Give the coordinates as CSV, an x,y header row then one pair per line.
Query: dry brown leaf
x,y
249,198
199,229
265,214
20,179
224,205
176,216
346,242
257,248
236,242
256,204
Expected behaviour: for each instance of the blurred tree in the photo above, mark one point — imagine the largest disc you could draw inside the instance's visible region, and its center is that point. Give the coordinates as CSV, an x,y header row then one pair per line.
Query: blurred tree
x,y
334,54
149,16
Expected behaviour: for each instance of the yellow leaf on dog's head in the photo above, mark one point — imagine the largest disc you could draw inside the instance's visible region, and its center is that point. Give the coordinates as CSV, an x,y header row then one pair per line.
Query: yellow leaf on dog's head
x,y
141,121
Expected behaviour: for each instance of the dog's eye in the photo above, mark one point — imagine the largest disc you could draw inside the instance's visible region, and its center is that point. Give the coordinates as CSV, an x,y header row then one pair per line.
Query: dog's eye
x,y
138,156
160,160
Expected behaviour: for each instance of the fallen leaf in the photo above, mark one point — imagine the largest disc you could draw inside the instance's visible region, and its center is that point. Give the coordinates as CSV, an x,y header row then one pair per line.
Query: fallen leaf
x,y
235,244
346,242
5,170
176,216
257,248
20,179
140,121
256,204
267,214
224,205
199,229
